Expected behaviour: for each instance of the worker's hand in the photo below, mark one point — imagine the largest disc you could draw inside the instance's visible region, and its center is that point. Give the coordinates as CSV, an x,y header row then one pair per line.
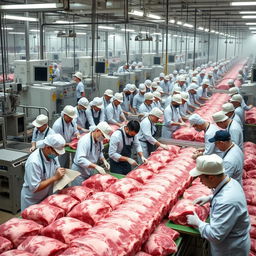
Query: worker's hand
x,y
193,220
250,106
132,162
78,136
106,164
119,124
100,169
60,172
163,146
202,200
196,155
84,130
33,148
183,124
144,160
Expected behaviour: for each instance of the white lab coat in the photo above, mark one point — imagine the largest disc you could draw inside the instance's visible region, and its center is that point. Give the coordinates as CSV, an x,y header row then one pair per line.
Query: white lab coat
x,y
38,136
137,101
209,148
237,118
144,108
236,134
201,92
56,74
157,104
168,101
79,90
184,109
81,118
167,87
122,70
90,113
240,112
127,101
106,103
114,114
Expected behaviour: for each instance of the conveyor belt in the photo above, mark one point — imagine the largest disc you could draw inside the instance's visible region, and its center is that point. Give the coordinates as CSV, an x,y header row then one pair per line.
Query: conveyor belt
x,y
183,229
183,143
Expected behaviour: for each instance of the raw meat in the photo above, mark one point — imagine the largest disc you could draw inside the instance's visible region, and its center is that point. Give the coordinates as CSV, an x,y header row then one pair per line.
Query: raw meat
x,y
253,245
250,198
5,244
251,174
17,230
80,193
17,253
249,182
140,175
199,136
184,133
142,254
43,214
252,253
99,182
42,246
253,220
160,245
196,191
75,251
250,116
112,199
250,163
64,202
90,211
66,229
252,209
154,166
163,230
253,232
124,187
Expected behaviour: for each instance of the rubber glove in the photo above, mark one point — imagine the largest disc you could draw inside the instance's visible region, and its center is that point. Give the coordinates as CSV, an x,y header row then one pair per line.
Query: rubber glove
x,y
202,200
106,164
132,162
144,160
100,169
164,146
193,220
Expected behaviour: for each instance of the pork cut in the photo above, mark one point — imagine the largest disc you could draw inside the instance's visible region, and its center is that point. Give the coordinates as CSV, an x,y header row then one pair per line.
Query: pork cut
x,y
5,244
141,175
112,199
17,253
80,193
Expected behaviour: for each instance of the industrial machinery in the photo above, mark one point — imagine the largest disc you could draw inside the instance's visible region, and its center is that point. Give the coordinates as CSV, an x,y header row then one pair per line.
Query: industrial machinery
x,y
85,64
108,82
156,70
147,73
11,178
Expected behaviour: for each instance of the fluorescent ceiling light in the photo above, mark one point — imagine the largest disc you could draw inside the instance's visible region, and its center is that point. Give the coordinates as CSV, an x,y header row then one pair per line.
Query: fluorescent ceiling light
x,y
31,6
252,28
188,25
34,30
63,21
143,32
7,28
206,30
251,23
172,21
157,33
23,18
243,3
136,13
80,33
222,34
217,32
212,31
128,30
175,35
200,28
179,23
105,27
153,16
16,33
249,12
253,32
249,16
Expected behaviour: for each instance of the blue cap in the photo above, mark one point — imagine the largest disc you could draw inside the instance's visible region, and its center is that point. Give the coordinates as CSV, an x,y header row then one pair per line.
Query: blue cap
x,y
221,135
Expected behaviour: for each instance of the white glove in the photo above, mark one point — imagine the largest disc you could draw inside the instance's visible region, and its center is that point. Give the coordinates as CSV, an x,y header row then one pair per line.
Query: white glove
x,y
202,200
144,160
107,165
193,220
132,162
164,146
100,169
32,149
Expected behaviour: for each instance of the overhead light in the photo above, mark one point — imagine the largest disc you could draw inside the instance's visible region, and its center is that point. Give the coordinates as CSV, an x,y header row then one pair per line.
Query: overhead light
x,y
251,23
179,23
136,13
63,22
249,12
8,28
217,32
106,27
81,25
128,30
188,25
172,21
206,30
161,20
34,30
249,16
31,6
200,28
157,34
212,31
16,33
243,3
112,35
252,28
153,16
175,35
22,18
222,34
80,33
144,32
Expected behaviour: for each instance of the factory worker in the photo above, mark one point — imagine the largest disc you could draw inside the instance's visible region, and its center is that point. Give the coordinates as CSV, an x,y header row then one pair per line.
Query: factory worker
x,y
172,118
175,74
95,112
56,73
240,79
220,72
127,99
82,120
40,131
107,96
210,78
42,169
241,72
166,85
199,124
148,131
133,66
120,148
184,111
147,106
161,77
78,77
154,86
235,90
139,98
168,100
215,74
66,126
181,82
236,100
229,110
233,157
192,101
231,83
157,100
148,84
114,112
231,126
89,153
201,76
194,80
140,65
228,230
181,71
202,91
123,69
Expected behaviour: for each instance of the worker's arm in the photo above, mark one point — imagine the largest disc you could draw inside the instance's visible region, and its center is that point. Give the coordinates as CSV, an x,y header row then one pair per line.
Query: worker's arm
x,y
145,127
33,146
110,116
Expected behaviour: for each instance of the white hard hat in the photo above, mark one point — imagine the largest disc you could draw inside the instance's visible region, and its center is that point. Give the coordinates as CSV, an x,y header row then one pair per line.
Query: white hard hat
x,y
230,82
40,121
56,141
134,64
206,81
228,107
119,97
142,87
105,129
194,79
149,96
233,90
148,83
208,165
109,93
210,73
175,72
97,102
160,89
192,86
167,78
156,112
182,79
140,63
219,117
161,75
196,119
154,85
157,95
195,72
79,75
177,98
177,89
184,96
129,88
239,76
133,87
236,98
69,111
181,71
83,102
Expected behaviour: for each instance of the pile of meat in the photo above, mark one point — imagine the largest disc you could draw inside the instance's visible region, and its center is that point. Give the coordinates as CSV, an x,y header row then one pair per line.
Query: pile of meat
x,y
250,116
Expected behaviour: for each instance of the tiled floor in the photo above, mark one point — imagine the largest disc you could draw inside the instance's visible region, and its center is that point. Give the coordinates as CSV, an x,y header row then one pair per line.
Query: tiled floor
x,y
4,216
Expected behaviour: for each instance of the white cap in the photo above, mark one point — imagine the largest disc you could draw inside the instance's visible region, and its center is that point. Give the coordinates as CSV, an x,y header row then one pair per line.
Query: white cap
x,y
161,75
134,64
184,96
148,83
171,76
210,73
177,98
83,102
157,95
40,121
177,89
56,141
105,129
156,112
228,107
206,81
195,72
97,102
196,119
156,79
209,165
142,87
69,111
109,93
167,78
154,85
192,86
233,90
160,89
181,71
118,96
236,98
216,68
79,75
194,79
129,88
230,82
239,76
182,79
149,96
140,63
219,117
203,71
175,72
133,87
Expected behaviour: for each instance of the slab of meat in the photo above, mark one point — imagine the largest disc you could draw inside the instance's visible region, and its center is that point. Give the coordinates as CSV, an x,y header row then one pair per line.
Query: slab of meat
x,y
141,175
249,182
42,246
185,133
5,244
252,253
253,245
124,187
250,116
253,220
252,209
163,230
42,213
90,211
99,182
17,253
251,174
64,202
112,199
250,197
199,136
186,207
75,251
154,166
142,254
196,191
80,193
253,232
249,162
160,245
17,230
66,229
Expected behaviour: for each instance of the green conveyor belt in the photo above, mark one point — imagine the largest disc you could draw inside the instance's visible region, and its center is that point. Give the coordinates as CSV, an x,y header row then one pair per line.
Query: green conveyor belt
x,y
117,175
183,229
71,150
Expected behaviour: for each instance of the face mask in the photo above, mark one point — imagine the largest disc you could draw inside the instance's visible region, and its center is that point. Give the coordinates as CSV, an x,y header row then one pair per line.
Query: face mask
x,y
51,156
100,138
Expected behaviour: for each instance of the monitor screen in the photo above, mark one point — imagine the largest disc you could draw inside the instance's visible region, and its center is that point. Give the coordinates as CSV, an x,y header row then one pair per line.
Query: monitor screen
x,y
55,56
171,58
41,74
157,60
190,56
100,67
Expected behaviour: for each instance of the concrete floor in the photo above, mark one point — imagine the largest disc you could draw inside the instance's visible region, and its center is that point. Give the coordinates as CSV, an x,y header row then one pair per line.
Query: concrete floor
x,y
4,216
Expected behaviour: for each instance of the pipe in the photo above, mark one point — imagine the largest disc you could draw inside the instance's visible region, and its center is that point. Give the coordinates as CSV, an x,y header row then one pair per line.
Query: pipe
x,y
209,37
93,36
166,38
41,36
194,50
218,39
